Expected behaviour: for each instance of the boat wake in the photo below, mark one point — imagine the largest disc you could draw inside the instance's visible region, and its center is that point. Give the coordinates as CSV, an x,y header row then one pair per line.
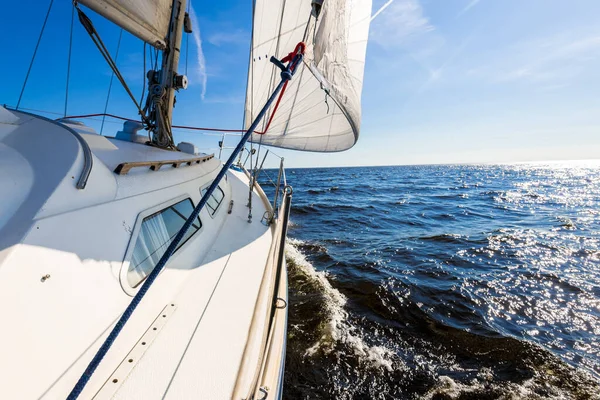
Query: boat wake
x,y
354,356
336,328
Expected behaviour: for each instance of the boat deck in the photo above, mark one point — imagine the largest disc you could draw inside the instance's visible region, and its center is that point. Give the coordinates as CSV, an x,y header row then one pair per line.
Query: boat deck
x,y
198,352
65,254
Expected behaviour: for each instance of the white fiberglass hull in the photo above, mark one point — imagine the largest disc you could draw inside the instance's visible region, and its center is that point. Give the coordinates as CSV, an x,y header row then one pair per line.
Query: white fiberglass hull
x,y
204,328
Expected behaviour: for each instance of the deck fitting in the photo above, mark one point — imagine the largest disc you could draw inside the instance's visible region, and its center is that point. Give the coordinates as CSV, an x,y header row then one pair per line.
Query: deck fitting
x,y
108,390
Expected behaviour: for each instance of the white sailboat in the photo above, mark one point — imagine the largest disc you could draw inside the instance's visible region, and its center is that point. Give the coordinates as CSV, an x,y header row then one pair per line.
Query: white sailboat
x,y
129,267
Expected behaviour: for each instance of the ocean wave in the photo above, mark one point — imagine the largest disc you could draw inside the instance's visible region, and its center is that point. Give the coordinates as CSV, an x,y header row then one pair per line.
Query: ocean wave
x,y
304,209
518,197
338,329
566,223
321,191
548,383
457,282
321,207
445,238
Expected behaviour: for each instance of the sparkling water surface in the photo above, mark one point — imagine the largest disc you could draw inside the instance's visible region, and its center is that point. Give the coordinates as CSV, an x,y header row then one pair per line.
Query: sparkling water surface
x,y
444,282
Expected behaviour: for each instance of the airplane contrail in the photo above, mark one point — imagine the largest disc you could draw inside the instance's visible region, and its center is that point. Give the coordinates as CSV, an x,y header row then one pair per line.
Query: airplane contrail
x,y
383,7
201,60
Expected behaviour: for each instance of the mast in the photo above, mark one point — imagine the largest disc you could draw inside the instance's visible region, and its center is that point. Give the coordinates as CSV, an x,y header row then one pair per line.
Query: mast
x,y
163,94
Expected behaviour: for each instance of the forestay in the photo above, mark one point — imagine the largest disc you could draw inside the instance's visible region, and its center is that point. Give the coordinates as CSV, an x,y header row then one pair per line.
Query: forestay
x,y
320,110
147,19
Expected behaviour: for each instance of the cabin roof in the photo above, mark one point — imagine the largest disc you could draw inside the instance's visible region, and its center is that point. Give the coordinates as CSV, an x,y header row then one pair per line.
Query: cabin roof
x,y
113,152
44,160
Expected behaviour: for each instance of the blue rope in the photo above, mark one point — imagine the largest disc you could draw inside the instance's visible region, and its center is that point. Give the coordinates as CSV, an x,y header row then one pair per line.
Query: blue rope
x,y
286,74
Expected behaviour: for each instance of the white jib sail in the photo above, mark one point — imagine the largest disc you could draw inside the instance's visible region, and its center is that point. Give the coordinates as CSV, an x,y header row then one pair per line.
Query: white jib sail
x,y
320,109
147,19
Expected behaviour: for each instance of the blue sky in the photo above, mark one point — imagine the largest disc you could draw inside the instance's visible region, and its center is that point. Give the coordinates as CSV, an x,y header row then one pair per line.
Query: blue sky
x,y
446,81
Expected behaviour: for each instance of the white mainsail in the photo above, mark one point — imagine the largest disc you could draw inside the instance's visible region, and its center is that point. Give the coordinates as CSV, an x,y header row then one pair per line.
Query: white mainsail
x,y
320,109
147,19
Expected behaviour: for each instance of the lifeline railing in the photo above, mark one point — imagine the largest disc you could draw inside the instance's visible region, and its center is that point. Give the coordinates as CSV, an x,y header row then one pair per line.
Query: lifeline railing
x,y
278,185
287,71
277,258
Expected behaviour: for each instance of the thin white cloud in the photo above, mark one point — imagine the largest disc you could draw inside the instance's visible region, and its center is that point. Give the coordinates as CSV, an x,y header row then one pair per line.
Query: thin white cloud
x,y
437,73
554,58
472,4
405,26
403,21
229,37
224,99
201,66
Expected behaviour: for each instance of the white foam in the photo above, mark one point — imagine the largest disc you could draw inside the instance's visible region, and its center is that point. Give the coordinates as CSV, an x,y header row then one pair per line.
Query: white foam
x,y
512,391
338,328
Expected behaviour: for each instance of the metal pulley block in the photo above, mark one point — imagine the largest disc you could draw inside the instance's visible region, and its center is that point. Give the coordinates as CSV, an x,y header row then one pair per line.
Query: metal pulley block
x,y
180,82
187,23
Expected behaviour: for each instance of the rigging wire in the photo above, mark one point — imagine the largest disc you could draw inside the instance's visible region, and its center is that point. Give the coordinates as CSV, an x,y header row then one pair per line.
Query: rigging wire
x,y
187,50
91,30
35,110
155,59
249,82
187,40
304,38
143,76
289,71
271,83
300,47
37,45
193,128
69,60
274,70
111,80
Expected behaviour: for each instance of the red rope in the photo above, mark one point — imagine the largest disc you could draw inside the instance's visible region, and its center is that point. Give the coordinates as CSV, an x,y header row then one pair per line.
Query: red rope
x,y
300,47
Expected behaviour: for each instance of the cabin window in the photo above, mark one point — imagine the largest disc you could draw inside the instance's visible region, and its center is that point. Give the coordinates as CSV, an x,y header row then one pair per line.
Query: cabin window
x,y
215,200
156,233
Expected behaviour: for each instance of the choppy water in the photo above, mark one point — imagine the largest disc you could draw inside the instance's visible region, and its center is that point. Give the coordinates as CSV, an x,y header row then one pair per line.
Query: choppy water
x,y
445,282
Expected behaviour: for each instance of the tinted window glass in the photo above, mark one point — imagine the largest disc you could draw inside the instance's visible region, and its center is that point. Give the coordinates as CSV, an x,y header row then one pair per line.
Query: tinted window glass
x,y
156,233
215,199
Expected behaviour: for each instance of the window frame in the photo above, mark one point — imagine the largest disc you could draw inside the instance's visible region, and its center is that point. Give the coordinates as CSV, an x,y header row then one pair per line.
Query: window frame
x,y
214,213
142,215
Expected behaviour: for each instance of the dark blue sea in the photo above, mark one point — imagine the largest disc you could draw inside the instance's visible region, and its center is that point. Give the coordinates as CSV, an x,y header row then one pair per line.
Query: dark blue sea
x,y
444,282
